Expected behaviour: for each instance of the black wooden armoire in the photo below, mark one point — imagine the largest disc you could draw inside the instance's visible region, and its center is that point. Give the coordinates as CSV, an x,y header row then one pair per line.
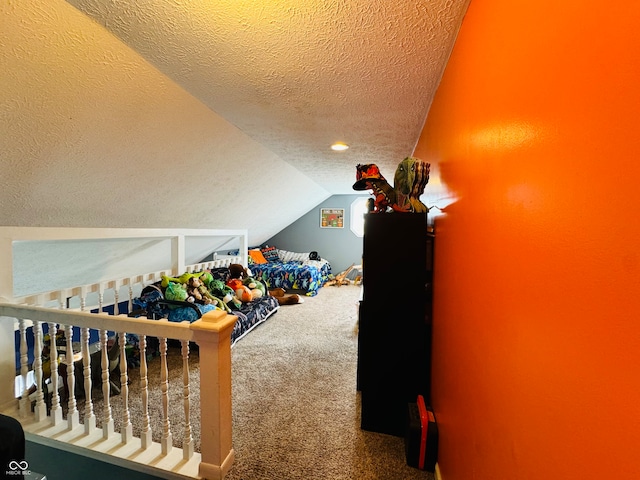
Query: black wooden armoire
x,y
394,335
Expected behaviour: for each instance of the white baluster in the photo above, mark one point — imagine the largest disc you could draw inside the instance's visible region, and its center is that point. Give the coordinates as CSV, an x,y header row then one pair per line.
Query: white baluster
x,y
24,369
41,407
73,417
130,305
145,434
116,296
83,299
56,409
167,439
100,299
89,416
187,442
127,428
107,419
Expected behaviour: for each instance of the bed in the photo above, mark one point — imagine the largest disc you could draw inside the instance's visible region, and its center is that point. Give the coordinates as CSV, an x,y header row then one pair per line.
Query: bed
x,y
292,271
152,303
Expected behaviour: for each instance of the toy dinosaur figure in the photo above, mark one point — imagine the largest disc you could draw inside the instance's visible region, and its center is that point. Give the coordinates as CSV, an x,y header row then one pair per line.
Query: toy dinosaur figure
x,y
368,177
411,177
409,181
184,278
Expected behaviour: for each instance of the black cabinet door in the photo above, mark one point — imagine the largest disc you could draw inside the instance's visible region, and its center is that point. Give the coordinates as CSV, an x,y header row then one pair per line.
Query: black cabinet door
x,y
394,256
394,334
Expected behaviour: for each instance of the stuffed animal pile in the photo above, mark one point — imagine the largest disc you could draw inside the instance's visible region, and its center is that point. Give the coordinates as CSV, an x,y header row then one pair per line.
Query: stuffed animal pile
x,y
199,288
238,273
202,289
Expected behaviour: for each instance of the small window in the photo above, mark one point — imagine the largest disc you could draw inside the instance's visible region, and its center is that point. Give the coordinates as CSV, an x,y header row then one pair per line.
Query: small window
x,y
358,209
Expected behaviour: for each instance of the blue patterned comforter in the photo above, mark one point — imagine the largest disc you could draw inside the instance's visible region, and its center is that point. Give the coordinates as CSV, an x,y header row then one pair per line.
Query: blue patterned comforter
x,y
250,314
307,276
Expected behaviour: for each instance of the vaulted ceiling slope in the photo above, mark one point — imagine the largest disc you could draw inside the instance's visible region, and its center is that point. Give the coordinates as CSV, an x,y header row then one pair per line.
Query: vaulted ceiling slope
x,y
195,113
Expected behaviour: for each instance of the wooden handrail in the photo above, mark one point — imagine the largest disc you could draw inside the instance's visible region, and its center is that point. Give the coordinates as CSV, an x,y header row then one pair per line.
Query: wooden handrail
x,y
212,333
70,307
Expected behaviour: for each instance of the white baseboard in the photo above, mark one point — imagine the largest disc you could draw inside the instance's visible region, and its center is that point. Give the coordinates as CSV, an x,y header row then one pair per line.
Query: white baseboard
x,y
437,474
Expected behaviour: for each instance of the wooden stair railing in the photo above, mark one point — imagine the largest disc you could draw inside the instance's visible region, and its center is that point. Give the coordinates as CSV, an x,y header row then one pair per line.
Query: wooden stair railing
x,y
212,334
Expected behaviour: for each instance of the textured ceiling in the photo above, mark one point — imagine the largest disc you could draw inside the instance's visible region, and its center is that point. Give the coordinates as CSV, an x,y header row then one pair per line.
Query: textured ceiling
x,y
298,75
200,113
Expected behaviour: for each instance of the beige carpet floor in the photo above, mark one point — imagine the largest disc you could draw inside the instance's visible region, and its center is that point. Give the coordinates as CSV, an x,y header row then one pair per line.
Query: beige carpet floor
x,y
296,408
295,404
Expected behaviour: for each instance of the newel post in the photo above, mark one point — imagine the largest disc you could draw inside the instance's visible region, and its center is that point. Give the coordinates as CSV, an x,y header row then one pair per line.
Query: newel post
x,y
212,333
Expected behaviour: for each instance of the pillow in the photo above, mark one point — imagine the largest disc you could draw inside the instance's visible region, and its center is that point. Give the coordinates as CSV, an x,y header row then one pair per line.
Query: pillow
x,y
271,254
287,256
257,256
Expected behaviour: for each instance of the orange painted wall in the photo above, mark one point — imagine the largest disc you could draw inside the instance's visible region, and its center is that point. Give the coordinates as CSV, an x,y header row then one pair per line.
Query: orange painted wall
x,y
536,129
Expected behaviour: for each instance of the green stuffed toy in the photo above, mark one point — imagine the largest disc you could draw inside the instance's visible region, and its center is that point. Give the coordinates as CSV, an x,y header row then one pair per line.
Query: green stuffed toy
x,y
226,293
176,291
201,294
206,278
184,278
257,288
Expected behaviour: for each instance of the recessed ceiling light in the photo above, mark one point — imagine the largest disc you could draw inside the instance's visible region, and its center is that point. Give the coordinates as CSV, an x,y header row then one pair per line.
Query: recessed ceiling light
x,y
339,146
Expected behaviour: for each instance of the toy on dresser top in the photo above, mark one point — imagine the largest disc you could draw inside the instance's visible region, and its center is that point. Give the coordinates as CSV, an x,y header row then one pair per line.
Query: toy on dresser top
x,y
410,179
